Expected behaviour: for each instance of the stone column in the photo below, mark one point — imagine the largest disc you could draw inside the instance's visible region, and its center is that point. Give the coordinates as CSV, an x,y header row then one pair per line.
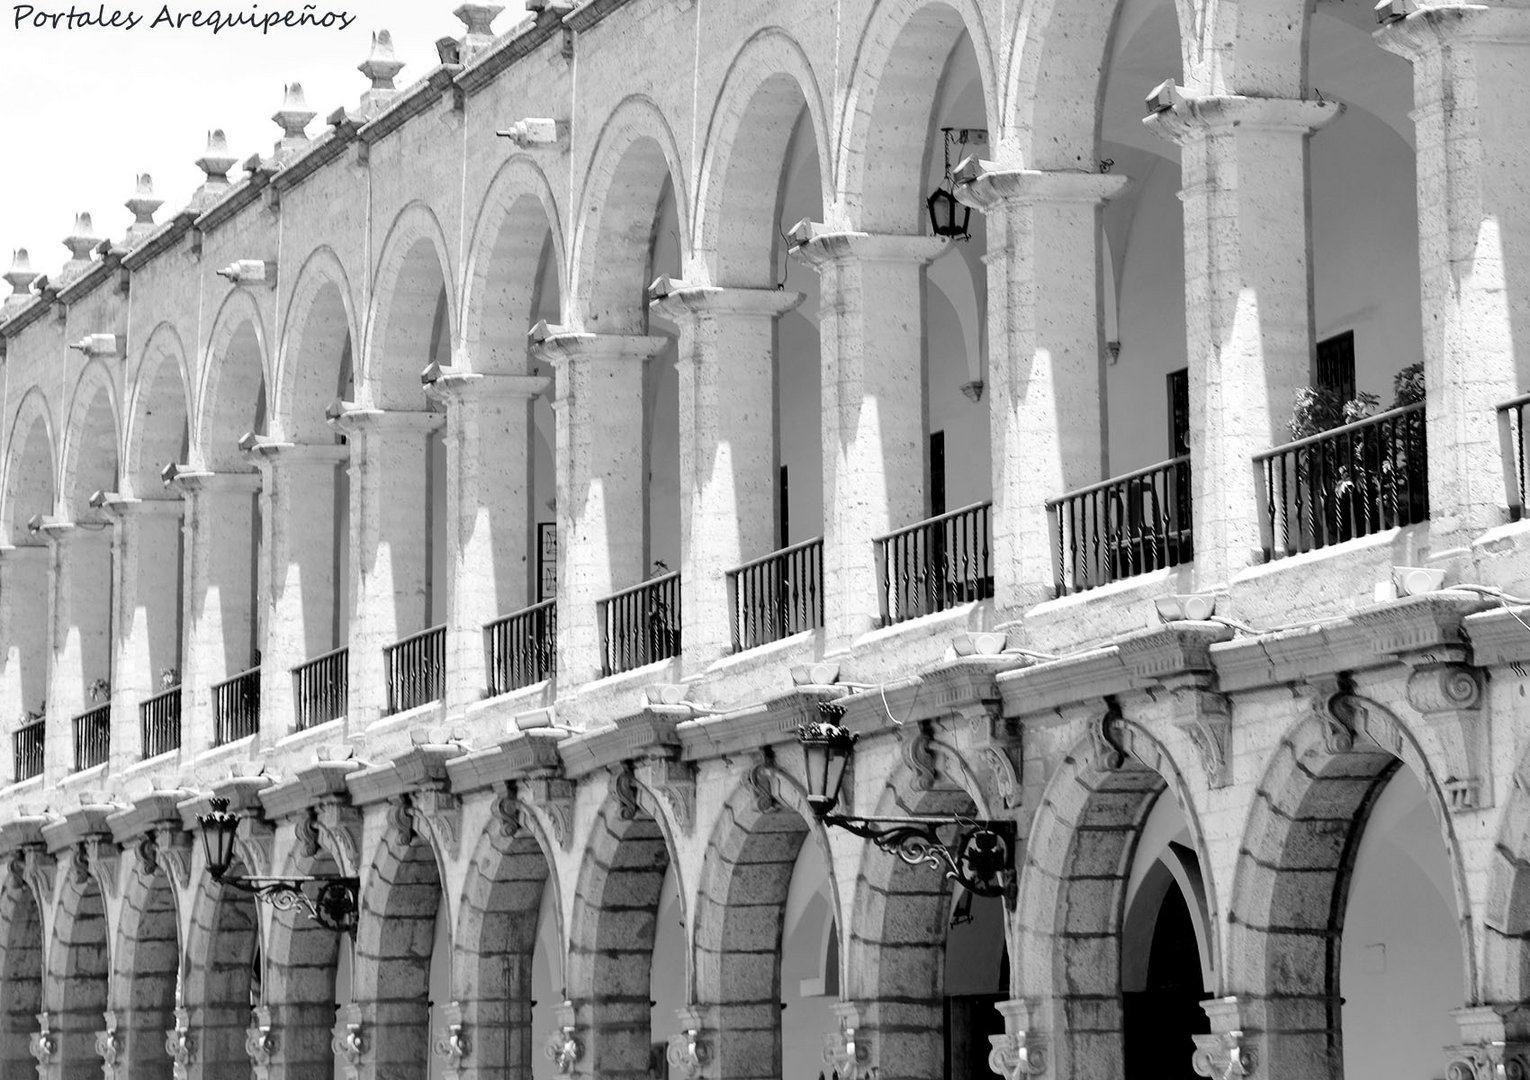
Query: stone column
x,y
1045,342
1248,302
727,448
488,489
147,620
389,548
23,632
598,404
874,467
80,584
298,571
1472,125
220,592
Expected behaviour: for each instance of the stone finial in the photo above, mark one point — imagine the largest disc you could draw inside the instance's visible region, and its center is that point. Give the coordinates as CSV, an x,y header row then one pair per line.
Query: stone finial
x,y
80,242
142,205
293,118
381,66
479,20
215,164
19,277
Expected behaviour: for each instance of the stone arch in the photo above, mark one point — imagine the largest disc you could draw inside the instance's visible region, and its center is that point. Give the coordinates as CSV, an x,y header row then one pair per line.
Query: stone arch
x,y
30,487
318,336
612,930
635,156
518,228
766,89
21,974
884,130
495,937
146,970
232,398
90,440
74,992
739,921
1073,886
221,973
157,428
413,274
1055,90
1286,916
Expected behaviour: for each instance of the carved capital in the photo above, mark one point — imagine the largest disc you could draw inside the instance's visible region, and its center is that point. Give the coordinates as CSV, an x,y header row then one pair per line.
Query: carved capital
x,y
1445,688
43,1042
1021,1052
1488,1061
1222,1056
844,1051
348,1040
260,1042
452,1042
109,1046
563,1047
689,1050
180,1045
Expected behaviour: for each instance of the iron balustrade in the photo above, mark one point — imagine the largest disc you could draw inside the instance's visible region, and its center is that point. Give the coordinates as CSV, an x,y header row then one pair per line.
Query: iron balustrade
x,y
416,669
521,649
1511,434
27,750
777,595
159,722
236,707
321,688
1353,481
640,625
1122,527
92,737
935,564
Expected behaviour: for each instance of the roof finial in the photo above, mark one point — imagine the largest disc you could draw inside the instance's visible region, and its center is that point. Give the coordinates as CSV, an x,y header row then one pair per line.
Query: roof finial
x,y
380,66
215,163
479,20
20,278
142,205
292,118
80,242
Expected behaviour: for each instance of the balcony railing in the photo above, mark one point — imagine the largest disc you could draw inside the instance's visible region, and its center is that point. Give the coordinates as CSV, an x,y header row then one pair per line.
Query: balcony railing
x,y
27,750
1511,434
159,722
236,707
778,595
1349,482
92,737
320,688
521,649
416,669
640,625
935,564
1122,527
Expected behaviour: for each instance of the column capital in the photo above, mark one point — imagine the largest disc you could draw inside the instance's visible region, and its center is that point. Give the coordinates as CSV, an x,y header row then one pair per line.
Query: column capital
x,y
683,302
1428,30
817,245
991,187
1488,1049
450,385
352,419
121,508
57,531
1194,116
274,454
192,481
560,345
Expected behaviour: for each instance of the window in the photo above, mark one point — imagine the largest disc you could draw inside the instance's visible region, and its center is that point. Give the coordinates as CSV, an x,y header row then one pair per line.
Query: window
x,y
1336,364
1179,412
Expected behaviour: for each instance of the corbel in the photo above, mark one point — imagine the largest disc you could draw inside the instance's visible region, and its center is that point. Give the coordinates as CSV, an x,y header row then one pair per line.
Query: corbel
x,y
349,1039
339,824
564,1048
452,1042
548,800
261,1041
1222,1056
109,1046
438,812
844,1050
759,779
917,744
180,1045
676,781
997,742
1330,699
1205,715
1450,693
689,1050
1021,1052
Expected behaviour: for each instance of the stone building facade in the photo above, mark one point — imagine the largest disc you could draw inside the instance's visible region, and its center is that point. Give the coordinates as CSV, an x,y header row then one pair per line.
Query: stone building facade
x,y
478,495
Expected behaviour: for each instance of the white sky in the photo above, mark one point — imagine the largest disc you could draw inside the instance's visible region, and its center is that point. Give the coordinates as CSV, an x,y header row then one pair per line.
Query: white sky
x,y
83,111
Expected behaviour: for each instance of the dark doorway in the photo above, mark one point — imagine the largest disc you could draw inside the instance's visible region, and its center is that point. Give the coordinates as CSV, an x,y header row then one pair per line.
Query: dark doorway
x,y
1159,1020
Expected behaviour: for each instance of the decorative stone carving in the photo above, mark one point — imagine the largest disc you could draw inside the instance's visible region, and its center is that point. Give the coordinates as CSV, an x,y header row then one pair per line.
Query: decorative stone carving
x,y
180,1045
109,1046
349,1039
438,813
846,1054
688,1051
563,1047
1107,732
260,1042
148,854
306,828
339,824
1330,704
676,781
1438,688
97,856
919,755
997,742
1206,717
1020,1052
172,853
452,1043
624,785
401,819
552,798
759,778
1221,1056
43,1042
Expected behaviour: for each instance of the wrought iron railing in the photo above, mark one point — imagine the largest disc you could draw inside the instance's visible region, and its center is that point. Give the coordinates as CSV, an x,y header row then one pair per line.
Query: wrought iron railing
x,y
777,595
521,649
416,669
1511,435
92,737
159,722
935,564
321,688
236,707
1349,482
639,625
1122,527
27,750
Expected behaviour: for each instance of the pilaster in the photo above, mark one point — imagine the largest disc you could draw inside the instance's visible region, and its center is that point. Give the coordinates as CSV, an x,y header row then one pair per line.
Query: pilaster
x,y
1046,341
23,632
727,448
1248,303
874,468
80,590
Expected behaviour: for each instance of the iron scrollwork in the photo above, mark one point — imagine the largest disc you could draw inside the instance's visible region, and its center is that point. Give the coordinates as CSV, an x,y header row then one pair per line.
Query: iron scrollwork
x,y
978,855
333,905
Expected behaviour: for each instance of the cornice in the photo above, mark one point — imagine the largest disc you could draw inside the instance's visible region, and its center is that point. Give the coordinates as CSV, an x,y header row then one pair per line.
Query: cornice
x,y
1499,636
90,819
323,780
161,807
525,753
769,723
491,63
419,98
25,831
648,732
1055,683
422,766
242,792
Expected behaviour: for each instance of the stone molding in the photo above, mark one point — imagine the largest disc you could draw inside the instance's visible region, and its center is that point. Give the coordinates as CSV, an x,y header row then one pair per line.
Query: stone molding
x,y
820,246
1195,116
687,303
995,188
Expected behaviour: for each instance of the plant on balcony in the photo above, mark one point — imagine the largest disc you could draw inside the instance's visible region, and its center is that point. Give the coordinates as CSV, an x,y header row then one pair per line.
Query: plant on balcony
x,y
169,677
32,716
99,691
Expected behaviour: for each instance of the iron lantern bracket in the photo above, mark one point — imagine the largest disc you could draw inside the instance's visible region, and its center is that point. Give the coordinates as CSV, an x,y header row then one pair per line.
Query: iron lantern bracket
x,y
334,904
978,855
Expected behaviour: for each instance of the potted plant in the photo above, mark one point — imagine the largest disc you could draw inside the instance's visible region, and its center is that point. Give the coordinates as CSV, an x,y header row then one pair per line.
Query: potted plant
x,y
100,691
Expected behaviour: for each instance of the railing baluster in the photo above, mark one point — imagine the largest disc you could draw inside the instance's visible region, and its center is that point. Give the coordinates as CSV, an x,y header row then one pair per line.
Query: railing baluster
x,y
1120,527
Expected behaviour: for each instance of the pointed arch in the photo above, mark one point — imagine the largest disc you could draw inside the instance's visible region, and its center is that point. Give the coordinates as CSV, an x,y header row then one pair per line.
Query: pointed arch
x,y
79,962
21,973
222,970
145,970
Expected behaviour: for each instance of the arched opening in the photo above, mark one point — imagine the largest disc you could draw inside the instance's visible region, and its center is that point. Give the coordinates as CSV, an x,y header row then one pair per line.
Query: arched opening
x,y
146,978
30,490
21,973
78,965
811,949
308,981
222,975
